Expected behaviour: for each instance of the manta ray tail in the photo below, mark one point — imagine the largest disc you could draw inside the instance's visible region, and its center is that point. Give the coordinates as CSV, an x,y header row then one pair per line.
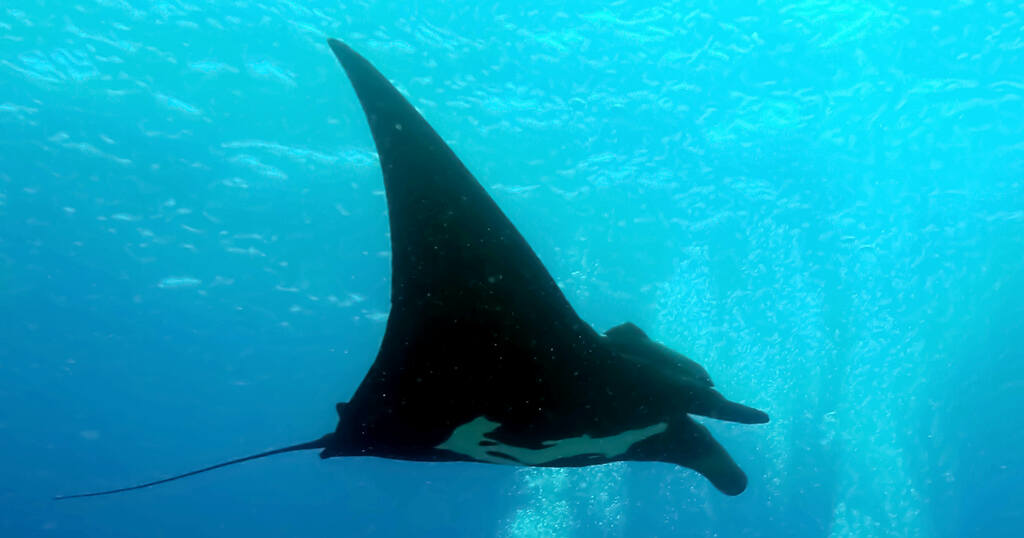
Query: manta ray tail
x,y
322,442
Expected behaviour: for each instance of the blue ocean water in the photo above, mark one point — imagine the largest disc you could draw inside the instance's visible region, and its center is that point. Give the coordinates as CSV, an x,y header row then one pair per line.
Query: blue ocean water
x,y
822,202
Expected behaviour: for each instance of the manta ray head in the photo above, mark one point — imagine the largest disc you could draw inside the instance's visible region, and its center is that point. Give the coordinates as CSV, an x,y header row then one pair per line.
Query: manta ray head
x,y
633,343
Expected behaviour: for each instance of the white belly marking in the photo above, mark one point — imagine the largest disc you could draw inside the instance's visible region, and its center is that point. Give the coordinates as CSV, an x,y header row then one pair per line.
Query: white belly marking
x,y
466,440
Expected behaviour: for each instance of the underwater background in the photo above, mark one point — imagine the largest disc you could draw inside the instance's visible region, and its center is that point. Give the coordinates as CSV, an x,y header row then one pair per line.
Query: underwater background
x,y
822,202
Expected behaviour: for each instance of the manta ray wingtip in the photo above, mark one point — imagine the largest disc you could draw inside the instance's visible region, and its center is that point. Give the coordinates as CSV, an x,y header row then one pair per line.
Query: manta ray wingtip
x,y
338,47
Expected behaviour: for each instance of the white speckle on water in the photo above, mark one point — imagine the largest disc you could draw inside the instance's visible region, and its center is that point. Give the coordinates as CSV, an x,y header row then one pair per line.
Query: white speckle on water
x,y
173,282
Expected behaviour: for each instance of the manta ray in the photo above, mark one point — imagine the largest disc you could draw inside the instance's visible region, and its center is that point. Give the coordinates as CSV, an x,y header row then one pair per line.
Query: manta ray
x,y
483,358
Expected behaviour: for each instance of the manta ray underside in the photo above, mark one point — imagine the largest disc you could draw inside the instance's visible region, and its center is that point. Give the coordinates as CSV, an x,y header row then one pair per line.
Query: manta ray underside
x,y
483,358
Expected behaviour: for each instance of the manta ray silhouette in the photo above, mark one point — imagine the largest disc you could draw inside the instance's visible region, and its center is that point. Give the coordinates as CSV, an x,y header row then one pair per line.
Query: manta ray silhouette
x,y
483,359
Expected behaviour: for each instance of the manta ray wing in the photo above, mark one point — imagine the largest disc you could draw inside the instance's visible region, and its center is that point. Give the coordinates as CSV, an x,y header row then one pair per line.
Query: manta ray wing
x,y
449,239
477,324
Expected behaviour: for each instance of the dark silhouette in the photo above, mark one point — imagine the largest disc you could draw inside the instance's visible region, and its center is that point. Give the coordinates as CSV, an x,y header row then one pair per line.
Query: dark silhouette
x,y
483,358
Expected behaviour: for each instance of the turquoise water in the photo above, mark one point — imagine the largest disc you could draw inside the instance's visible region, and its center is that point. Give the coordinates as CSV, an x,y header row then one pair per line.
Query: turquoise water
x,y
822,202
